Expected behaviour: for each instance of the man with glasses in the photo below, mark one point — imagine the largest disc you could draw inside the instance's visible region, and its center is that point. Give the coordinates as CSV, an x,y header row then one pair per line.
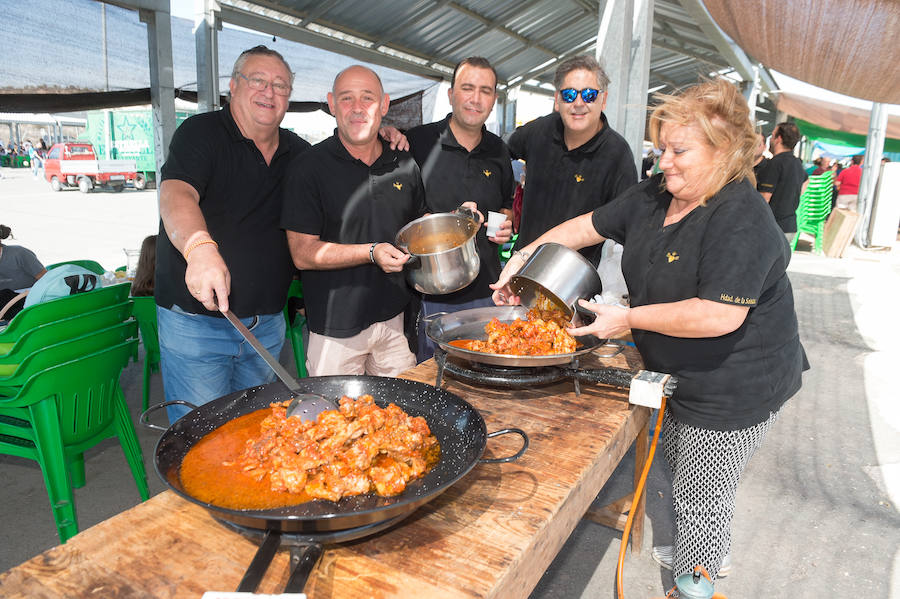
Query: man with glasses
x,y
220,246
345,199
461,160
576,162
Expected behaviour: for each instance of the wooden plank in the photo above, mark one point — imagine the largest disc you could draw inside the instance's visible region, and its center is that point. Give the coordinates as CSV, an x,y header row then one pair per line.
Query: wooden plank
x,y
492,534
839,229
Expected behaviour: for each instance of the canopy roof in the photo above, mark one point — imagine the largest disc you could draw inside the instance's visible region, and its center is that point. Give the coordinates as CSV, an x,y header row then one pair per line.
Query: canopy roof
x,y
847,46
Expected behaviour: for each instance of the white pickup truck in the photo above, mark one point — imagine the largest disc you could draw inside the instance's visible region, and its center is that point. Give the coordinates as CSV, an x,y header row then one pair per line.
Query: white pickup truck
x,y
71,164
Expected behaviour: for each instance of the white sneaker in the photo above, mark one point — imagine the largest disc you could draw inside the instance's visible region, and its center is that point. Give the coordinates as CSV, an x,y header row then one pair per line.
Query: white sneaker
x,y
664,555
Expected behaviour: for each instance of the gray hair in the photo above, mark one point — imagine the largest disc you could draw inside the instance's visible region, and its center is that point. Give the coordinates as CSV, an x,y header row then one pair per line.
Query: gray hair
x,y
584,62
259,51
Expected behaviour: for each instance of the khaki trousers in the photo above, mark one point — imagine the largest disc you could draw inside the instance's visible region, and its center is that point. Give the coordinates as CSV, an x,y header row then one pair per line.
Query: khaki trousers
x,y
379,350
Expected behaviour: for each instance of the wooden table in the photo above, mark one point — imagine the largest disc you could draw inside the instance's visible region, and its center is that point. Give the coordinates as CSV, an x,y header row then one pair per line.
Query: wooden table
x,y
493,534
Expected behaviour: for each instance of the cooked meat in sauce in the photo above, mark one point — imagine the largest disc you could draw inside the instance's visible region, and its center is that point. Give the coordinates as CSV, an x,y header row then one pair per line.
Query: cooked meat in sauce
x,y
277,461
543,333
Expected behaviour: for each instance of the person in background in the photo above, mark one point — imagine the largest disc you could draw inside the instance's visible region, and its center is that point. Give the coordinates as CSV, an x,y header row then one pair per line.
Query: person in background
x,y
19,270
219,245
784,178
145,273
344,201
824,165
847,183
711,304
576,162
760,162
460,159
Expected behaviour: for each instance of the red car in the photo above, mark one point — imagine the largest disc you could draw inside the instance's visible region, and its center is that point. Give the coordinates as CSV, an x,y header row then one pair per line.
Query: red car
x,y
74,164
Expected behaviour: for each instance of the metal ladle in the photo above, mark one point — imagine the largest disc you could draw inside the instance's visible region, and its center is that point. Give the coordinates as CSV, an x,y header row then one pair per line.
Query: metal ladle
x,y
307,406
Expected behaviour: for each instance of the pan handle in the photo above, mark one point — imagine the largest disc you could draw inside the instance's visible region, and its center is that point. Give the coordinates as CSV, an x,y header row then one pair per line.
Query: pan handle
x,y
430,317
511,458
145,420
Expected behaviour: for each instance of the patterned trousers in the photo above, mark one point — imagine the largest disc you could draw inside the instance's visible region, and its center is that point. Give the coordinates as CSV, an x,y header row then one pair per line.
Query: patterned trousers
x,y
706,467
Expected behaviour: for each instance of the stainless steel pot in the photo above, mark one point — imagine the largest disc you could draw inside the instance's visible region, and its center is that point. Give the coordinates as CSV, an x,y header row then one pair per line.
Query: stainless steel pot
x,y
560,274
444,258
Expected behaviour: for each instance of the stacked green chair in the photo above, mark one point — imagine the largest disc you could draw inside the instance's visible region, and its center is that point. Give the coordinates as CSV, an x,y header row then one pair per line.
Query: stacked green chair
x,y
814,208
91,265
295,321
145,314
61,411
506,249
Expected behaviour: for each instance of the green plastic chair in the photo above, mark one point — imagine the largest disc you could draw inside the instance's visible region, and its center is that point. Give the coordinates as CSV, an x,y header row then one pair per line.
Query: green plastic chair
x,y
91,265
506,249
58,309
814,208
62,411
43,335
294,331
145,314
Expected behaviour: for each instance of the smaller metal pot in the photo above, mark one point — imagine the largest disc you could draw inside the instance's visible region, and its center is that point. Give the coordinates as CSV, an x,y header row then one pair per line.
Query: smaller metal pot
x,y
560,274
444,258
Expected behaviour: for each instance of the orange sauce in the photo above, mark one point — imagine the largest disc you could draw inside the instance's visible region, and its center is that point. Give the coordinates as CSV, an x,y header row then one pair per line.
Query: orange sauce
x,y
205,477
462,343
437,242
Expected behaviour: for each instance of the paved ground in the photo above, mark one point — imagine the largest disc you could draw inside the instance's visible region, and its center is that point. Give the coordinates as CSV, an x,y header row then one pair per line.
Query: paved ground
x,y
816,511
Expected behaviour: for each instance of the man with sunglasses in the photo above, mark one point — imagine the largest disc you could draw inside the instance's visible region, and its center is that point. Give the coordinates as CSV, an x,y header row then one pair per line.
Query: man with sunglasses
x,y
461,160
576,162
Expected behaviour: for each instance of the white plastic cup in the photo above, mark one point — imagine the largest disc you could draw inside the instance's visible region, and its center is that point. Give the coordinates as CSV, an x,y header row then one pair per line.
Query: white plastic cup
x,y
494,220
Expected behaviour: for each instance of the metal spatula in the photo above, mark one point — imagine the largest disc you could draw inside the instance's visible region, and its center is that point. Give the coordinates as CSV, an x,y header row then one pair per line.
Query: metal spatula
x,y
307,406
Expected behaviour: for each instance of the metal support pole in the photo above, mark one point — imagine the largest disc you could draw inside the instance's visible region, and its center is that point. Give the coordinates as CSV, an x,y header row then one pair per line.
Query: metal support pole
x,y
871,169
206,26
162,82
638,80
614,53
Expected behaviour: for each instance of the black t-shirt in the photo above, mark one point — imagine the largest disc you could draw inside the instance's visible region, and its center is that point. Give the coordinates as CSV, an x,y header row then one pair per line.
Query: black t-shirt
x,y
240,197
331,194
783,177
561,184
729,251
758,170
453,175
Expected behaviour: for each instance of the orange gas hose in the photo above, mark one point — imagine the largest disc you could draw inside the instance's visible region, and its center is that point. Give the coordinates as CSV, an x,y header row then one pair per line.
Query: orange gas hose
x,y
638,491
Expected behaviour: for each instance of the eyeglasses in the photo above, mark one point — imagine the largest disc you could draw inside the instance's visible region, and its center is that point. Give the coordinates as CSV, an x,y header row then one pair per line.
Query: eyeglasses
x,y
588,94
258,83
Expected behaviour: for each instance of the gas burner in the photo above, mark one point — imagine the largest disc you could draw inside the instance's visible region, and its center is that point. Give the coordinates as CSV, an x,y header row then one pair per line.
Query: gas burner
x,y
305,549
524,377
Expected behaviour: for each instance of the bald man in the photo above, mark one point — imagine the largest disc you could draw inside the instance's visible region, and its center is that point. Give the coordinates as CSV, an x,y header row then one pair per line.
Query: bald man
x,y
344,202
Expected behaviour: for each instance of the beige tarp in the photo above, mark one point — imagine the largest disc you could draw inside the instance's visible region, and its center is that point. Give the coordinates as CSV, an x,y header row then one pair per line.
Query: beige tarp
x,y
832,116
847,46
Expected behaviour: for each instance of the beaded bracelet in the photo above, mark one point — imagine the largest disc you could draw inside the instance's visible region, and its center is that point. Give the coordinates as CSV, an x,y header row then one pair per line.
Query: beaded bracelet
x,y
197,244
372,251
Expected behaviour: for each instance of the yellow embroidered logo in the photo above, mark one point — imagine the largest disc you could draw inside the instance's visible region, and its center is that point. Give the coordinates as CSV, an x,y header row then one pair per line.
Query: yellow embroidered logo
x,y
486,172
579,178
672,256
398,185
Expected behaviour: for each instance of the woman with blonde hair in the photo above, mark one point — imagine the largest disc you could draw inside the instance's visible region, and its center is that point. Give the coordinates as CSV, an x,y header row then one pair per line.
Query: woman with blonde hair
x,y
711,304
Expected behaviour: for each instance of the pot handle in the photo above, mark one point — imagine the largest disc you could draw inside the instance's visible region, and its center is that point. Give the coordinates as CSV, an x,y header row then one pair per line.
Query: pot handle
x,y
145,420
413,262
511,458
467,212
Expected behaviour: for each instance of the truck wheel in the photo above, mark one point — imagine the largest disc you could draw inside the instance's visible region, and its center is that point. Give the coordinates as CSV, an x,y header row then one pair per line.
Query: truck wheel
x,y
55,185
140,182
85,185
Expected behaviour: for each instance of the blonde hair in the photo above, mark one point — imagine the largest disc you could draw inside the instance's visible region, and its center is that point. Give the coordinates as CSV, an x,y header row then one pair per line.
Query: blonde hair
x,y
719,111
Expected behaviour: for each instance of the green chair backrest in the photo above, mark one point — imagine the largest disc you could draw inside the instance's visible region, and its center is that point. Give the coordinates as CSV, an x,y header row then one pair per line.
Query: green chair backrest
x,y
60,330
68,350
63,307
145,313
85,390
91,265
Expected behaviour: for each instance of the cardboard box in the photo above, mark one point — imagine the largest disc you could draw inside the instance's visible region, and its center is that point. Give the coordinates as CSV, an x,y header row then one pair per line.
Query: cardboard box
x,y
839,229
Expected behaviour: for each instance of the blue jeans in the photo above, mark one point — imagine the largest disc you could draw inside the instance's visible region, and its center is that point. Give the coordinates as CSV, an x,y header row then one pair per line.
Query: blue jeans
x,y
203,357
426,345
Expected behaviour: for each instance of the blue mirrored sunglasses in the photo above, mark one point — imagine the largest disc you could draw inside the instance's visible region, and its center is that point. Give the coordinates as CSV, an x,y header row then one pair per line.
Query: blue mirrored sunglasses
x,y
588,94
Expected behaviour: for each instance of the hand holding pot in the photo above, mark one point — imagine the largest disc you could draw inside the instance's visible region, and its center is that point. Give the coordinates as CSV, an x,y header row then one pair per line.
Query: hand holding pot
x,y
389,258
611,321
503,295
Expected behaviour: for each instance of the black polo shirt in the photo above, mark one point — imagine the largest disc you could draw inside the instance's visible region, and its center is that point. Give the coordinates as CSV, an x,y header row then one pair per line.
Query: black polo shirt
x,y
331,194
453,175
758,169
561,184
783,177
240,197
729,251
